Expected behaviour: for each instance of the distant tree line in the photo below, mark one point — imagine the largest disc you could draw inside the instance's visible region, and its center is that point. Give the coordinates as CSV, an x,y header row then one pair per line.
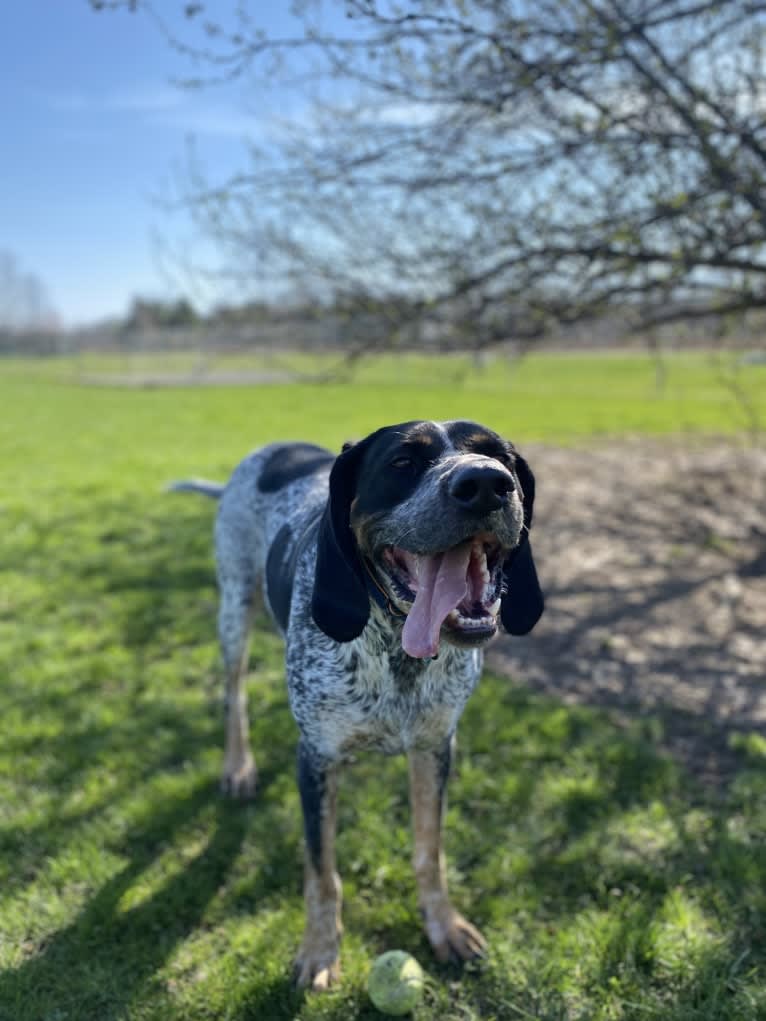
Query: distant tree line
x,y
146,314
153,324
24,301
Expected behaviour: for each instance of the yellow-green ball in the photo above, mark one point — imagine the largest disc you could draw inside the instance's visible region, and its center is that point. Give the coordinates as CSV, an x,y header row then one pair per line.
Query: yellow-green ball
x,y
395,984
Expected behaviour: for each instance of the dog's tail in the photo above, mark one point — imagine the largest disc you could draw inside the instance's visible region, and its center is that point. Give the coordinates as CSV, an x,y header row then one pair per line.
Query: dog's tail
x,y
204,486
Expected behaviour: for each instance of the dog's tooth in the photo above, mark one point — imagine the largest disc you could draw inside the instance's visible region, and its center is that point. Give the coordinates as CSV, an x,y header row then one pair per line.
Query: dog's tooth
x,y
494,609
470,623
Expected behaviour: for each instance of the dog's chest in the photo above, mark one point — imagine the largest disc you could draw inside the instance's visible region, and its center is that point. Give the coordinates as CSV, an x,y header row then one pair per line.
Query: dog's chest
x,y
393,703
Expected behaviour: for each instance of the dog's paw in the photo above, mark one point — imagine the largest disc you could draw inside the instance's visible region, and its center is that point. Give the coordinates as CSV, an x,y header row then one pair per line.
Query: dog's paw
x,y
240,778
317,966
453,938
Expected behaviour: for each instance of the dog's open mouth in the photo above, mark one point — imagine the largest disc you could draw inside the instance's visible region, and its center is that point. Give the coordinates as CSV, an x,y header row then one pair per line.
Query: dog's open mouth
x,y
456,591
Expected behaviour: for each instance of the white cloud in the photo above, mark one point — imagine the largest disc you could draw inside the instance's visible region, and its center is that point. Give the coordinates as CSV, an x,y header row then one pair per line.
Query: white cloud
x,y
211,121
141,99
161,104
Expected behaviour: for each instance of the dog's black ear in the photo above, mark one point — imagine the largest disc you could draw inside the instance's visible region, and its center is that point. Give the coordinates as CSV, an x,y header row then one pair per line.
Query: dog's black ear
x,y
526,481
340,604
523,602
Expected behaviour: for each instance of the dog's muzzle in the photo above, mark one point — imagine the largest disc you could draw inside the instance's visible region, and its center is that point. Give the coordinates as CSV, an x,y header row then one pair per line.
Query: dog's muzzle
x,y
447,581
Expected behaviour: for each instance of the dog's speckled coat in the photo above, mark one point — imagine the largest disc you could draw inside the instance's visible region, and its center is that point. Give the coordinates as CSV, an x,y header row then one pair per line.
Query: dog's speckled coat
x,y
296,525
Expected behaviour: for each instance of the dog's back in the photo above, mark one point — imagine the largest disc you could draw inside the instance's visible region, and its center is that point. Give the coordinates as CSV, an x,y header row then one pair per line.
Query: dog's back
x,y
272,498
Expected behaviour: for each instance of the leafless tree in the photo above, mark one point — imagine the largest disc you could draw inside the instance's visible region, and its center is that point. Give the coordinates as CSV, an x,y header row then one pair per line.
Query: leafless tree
x,y
488,169
24,301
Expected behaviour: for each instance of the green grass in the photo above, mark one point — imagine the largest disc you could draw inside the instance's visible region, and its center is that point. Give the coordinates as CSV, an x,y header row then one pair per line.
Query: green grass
x,y
610,883
540,397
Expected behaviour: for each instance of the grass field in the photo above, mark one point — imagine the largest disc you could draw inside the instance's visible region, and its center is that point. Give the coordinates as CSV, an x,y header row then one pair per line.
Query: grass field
x,y
610,882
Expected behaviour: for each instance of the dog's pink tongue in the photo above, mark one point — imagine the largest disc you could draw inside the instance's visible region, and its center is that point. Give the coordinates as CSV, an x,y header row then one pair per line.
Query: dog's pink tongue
x,y
442,584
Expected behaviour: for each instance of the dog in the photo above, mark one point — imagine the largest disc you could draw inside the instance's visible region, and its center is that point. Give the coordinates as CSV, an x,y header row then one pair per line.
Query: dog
x,y
386,569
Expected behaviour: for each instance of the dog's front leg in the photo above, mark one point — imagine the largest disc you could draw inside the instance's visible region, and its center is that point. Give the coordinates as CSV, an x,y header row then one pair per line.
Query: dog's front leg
x,y
450,935
318,964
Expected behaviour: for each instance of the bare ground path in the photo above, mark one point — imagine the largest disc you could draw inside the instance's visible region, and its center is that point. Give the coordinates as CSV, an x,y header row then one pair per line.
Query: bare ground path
x,y
652,555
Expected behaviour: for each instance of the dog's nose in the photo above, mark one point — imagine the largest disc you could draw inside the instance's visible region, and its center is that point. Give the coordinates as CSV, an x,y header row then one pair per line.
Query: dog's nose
x,y
481,489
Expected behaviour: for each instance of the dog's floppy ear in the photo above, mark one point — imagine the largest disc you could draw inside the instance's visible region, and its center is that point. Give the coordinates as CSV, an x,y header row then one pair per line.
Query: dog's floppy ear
x,y
340,604
523,602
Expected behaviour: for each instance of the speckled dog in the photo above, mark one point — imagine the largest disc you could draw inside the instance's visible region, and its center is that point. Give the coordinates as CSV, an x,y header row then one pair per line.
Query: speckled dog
x,y
386,570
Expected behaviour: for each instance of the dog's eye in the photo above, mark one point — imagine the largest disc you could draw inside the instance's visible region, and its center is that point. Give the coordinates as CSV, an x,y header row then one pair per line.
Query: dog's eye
x,y
502,455
496,453
402,462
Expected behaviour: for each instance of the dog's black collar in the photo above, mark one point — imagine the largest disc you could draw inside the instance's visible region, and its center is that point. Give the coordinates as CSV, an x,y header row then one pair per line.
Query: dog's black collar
x,y
378,594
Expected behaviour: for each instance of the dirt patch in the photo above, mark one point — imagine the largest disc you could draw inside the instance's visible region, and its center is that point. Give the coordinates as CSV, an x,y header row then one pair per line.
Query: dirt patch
x,y
653,560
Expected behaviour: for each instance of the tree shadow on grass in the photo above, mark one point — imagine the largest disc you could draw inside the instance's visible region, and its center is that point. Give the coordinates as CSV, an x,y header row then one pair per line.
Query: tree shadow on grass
x,y
151,557
96,766
98,739
79,754
97,965
100,710
160,567
95,944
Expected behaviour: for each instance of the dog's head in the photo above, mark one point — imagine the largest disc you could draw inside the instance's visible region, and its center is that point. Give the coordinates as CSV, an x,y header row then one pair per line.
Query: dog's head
x,y
435,517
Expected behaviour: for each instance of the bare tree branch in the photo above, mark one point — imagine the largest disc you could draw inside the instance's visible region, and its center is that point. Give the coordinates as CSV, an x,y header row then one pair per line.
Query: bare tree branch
x,y
488,169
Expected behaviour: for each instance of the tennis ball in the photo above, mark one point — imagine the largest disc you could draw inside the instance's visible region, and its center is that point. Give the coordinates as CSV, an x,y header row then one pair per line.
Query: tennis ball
x,y
395,984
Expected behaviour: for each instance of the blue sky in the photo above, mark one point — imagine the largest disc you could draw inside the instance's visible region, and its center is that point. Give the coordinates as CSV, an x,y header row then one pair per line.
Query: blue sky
x,y
93,130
